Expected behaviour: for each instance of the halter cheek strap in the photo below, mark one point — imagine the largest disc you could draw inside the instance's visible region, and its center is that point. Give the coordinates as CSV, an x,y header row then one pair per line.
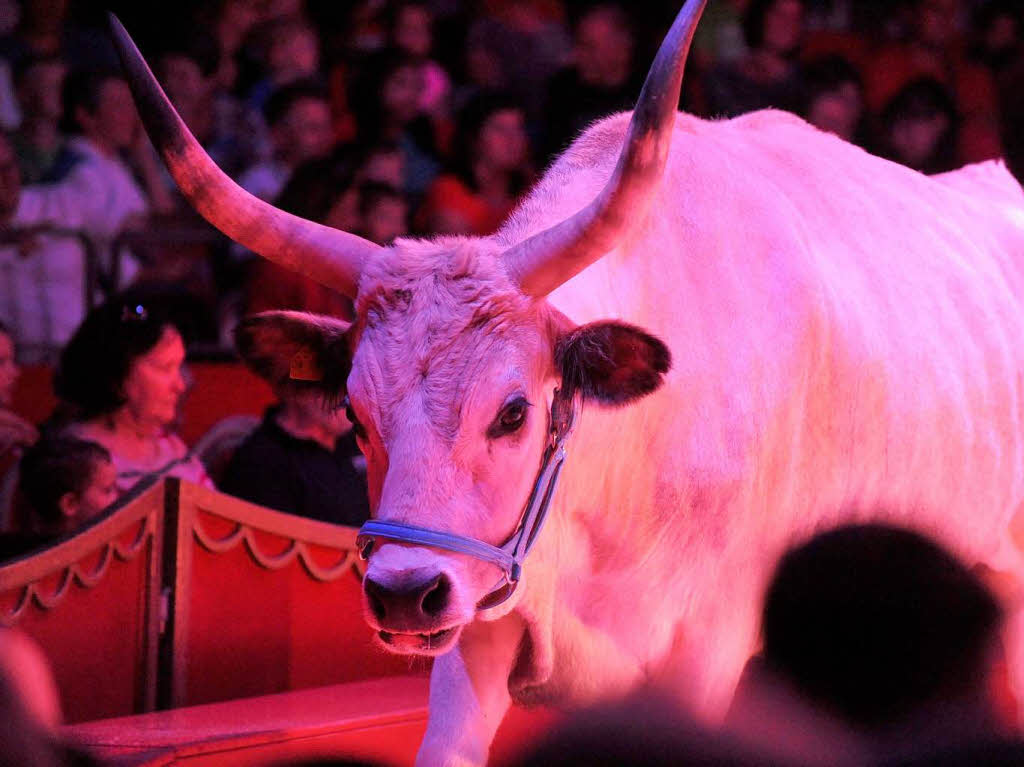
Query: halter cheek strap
x,y
510,555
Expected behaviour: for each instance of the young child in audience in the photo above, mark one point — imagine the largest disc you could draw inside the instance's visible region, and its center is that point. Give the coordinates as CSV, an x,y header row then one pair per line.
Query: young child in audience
x,y
65,482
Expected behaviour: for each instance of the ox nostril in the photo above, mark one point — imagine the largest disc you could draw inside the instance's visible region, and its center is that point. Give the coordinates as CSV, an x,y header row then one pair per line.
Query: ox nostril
x,y
435,597
375,596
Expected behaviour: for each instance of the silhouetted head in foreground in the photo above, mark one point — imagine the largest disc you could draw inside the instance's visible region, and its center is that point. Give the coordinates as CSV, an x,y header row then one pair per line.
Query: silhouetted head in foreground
x,y
879,625
645,730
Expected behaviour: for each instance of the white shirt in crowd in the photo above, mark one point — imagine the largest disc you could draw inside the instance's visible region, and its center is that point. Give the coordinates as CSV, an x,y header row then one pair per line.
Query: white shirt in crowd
x,y
43,286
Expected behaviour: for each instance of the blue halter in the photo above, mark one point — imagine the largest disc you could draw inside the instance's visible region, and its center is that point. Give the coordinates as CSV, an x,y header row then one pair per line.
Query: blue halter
x,y
509,556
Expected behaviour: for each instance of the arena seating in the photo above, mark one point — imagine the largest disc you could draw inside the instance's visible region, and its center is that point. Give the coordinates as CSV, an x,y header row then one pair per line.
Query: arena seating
x,y
183,595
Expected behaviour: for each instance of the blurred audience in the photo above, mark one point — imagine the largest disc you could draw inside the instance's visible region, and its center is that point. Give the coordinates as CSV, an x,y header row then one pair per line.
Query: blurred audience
x,y
386,98
603,77
935,48
64,482
768,74
920,126
879,632
121,377
39,143
98,197
43,274
187,66
490,169
833,98
410,30
300,128
383,211
301,459
99,192
288,53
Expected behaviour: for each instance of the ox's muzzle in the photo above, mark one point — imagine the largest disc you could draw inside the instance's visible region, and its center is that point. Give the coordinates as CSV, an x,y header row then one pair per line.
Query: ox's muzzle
x,y
509,556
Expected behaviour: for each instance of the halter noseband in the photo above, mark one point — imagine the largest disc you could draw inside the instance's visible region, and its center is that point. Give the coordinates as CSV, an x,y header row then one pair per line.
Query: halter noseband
x,y
508,556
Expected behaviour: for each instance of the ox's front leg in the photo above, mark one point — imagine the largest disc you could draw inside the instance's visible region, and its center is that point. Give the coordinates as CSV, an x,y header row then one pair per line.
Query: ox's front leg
x,y
469,694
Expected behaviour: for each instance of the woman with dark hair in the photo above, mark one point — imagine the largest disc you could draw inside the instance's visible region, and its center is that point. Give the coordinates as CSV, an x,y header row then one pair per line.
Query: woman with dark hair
x,y
920,127
490,170
121,375
832,97
386,97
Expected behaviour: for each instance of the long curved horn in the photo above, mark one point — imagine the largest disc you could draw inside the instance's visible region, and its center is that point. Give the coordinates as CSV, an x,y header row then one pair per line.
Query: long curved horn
x,y
543,262
329,256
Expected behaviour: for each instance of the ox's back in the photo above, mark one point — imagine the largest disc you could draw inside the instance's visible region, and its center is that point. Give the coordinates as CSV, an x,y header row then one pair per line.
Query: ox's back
x,y
845,333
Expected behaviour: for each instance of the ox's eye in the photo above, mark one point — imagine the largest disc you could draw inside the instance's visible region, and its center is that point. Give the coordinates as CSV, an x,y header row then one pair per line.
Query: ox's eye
x,y
350,414
510,419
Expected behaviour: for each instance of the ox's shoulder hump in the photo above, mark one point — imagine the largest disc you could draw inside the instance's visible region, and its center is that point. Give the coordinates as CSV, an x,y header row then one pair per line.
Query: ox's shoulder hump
x,y
991,179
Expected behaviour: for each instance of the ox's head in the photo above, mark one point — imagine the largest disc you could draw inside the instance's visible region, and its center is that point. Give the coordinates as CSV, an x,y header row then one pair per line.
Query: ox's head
x,y
451,364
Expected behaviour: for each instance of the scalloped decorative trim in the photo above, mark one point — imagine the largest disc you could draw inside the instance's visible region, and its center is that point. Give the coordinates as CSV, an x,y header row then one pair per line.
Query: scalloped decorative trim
x,y
73,573
296,548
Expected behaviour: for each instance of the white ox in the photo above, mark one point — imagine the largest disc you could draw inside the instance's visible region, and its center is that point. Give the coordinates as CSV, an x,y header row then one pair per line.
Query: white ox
x,y
845,334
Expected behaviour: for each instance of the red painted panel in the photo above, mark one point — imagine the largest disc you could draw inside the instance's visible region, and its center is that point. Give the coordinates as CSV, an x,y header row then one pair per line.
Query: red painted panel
x,y
94,639
253,631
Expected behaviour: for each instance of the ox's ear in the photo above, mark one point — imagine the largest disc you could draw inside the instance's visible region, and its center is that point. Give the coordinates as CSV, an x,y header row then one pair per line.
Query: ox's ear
x,y
611,362
296,348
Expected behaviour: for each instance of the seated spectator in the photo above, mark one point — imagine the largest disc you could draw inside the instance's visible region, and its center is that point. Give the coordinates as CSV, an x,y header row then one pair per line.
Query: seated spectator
x,y
386,100
768,74
515,46
122,375
882,631
383,211
64,482
382,163
187,67
410,30
300,127
719,36
99,193
601,80
15,432
833,98
39,142
935,50
919,128
490,170
300,460
42,276
288,52
98,197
